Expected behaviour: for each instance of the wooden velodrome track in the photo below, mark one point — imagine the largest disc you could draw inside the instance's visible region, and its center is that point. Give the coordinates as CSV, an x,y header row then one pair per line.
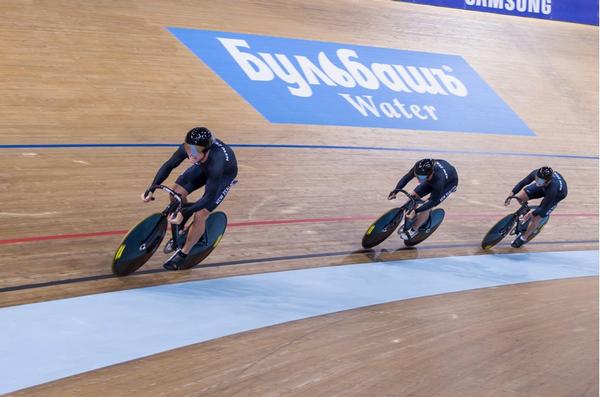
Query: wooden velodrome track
x,y
109,72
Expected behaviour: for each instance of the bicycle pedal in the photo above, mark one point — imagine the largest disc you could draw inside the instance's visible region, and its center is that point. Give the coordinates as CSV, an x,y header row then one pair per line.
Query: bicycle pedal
x,y
169,247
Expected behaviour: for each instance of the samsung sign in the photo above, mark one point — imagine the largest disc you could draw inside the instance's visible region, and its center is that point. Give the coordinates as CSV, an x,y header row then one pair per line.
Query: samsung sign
x,y
578,11
312,82
534,6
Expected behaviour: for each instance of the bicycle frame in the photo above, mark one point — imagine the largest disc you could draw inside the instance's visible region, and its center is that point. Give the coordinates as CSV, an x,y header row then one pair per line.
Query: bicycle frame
x,y
412,203
409,206
523,210
172,208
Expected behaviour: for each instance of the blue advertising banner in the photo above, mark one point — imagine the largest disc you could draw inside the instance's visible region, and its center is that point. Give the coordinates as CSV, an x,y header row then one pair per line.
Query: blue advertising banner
x,y
578,11
313,82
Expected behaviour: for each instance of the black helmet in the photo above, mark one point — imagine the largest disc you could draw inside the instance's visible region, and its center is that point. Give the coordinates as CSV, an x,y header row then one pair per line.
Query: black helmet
x,y
544,173
424,167
199,136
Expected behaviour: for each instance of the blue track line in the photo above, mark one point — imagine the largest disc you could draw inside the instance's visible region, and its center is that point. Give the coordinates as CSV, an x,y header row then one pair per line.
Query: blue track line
x,y
320,147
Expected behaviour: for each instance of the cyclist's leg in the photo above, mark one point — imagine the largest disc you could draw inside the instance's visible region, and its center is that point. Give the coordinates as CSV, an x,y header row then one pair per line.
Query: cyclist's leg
x,y
531,192
423,217
420,191
192,179
522,195
198,226
181,191
536,220
196,230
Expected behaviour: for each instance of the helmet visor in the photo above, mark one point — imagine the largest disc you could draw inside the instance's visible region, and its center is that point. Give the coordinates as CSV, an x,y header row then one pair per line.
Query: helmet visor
x,y
421,178
194,150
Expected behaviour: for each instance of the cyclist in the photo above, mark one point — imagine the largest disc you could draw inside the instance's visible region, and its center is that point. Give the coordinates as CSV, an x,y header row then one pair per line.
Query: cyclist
x,y
436,177
214,166
548,184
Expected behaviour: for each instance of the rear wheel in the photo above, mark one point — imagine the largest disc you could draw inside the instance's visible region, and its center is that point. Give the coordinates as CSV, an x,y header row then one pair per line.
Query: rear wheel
x,y
435,220
216,224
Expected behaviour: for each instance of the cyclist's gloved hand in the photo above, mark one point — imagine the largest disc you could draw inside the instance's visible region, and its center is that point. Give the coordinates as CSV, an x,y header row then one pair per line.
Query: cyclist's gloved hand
x,y
507,201
147,196
393,194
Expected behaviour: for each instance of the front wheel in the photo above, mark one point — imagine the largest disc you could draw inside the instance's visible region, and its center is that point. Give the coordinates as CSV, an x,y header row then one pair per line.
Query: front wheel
x,y
498,231
382,228
139,244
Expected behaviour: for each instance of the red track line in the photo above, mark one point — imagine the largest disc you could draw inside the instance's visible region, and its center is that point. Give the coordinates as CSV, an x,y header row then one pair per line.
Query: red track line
x,y
237,224
490,215
60,237
255,223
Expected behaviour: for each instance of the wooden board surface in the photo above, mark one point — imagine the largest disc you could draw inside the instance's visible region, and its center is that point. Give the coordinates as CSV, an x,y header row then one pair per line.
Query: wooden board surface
x,y
109,72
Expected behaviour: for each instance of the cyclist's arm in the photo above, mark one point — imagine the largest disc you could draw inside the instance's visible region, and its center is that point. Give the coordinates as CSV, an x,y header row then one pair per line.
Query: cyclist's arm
x,y
165,170
524,182
405,179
